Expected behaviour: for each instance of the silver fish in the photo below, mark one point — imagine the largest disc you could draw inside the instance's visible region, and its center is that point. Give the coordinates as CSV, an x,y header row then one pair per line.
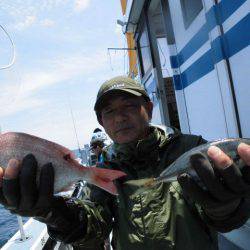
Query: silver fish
x,y
182,164
67,169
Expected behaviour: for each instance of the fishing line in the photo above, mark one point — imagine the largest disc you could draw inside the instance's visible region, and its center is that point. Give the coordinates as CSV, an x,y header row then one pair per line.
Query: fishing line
x,y
124,56
13,50
164,58
74,124
135,68
110,62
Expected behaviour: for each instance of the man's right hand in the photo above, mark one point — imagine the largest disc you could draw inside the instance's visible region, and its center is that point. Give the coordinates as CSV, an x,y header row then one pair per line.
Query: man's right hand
x,y
19,192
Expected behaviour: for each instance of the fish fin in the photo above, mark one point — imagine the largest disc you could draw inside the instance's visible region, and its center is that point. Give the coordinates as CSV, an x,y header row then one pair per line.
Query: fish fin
x,y
147,182
69,155
107,174
65,151
104,178
107,185
141,184
73,161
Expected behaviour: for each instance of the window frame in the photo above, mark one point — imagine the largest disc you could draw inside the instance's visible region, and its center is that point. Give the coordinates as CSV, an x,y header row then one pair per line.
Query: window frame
x,y
143,23
187,20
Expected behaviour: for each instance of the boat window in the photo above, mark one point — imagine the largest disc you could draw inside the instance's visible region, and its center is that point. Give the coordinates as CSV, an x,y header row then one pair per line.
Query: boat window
x,y
144,51
161,33
190,9
158,27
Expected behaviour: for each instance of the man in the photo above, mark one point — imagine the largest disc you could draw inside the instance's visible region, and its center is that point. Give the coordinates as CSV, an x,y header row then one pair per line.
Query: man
x,y
178,215
97,144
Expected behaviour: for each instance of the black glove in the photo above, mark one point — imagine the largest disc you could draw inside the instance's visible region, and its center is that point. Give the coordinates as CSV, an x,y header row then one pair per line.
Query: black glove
x,y
22,196
225,195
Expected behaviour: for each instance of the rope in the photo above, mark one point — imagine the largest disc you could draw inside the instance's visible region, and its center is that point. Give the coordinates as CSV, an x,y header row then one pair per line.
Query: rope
x,y
13,50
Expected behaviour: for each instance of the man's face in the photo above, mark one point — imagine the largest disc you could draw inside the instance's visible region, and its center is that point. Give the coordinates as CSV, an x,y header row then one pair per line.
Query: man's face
x,y
125,118
97,150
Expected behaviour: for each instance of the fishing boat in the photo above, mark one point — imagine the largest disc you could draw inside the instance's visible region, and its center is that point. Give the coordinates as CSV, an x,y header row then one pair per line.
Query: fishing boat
x,y
192,56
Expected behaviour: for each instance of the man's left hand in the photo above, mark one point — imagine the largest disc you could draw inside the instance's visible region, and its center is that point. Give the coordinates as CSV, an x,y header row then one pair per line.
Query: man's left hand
x,y
226,197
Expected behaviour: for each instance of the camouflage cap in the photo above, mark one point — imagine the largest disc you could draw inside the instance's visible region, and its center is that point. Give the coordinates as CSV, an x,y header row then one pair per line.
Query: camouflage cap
x,y
119,84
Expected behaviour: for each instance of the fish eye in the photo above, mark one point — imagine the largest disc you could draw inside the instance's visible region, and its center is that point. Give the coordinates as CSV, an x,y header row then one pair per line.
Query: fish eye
x,y
66,157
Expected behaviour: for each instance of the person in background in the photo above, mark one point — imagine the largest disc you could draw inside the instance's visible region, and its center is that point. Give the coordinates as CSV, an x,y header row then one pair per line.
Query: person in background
x,y
98,141
179,215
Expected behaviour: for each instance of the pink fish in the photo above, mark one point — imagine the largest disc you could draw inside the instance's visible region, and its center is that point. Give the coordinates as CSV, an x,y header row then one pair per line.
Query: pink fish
x,y
67,169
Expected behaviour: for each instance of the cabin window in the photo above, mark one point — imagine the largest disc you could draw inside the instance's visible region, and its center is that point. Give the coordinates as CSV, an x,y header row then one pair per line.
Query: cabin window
x,y
158,27
190,10
144,51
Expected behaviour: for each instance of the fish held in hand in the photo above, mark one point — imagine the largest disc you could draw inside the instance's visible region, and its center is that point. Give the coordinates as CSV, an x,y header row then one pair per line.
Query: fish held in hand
x,y
67,169
183,165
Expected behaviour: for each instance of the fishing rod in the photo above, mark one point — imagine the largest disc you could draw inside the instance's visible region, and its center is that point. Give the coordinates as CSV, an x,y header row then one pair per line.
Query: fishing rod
x,y
73,121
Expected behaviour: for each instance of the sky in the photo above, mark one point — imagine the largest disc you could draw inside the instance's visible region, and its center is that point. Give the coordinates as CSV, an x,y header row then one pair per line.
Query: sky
x,y
62,58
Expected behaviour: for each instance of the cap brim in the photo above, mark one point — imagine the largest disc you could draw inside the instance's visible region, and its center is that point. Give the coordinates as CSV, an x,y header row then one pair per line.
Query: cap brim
x,y
99,102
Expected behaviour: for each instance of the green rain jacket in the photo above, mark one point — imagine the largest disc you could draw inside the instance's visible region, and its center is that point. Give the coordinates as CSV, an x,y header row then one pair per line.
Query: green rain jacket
x,y
157,218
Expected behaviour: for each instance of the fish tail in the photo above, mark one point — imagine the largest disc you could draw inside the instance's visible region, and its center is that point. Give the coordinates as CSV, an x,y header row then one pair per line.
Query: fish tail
x,y
107,185
147,182
104,178
142,184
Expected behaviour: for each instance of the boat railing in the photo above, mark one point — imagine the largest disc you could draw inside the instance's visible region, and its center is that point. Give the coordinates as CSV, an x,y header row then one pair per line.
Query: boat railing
x,y
23,237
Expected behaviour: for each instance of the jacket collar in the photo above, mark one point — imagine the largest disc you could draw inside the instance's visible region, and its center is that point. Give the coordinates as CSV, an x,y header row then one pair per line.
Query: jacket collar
x,y
146,149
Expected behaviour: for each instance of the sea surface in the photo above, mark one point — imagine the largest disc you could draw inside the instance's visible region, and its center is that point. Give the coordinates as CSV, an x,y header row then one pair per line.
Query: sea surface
x,y
8,225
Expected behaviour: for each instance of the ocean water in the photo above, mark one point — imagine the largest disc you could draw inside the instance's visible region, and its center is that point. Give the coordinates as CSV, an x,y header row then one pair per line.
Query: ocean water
x,y
8,225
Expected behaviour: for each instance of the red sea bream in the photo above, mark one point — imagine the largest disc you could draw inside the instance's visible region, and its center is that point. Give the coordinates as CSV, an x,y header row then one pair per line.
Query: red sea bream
x,y
67,169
